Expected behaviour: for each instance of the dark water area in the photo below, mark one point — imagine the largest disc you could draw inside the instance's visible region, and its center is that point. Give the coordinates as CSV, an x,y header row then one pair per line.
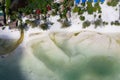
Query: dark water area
x,y
10,66
5,45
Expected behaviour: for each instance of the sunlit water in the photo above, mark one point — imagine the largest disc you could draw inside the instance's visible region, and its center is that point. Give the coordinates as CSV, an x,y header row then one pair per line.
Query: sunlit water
x,y
65,56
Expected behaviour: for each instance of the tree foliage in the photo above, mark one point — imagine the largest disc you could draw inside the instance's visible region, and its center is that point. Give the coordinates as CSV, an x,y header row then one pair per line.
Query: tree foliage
x,y
113,3
36,4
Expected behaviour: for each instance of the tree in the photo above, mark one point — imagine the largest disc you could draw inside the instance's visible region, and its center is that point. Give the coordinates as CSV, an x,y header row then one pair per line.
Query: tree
x,y
113,3
90,8
8,2
3,9
119,10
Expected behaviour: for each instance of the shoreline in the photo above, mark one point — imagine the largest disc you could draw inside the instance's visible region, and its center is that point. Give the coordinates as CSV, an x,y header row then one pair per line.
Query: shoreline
x,y
15,34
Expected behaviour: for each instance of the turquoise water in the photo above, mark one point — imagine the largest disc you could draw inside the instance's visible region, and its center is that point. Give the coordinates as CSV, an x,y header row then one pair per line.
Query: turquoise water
x,y
49,65
87,68
64,56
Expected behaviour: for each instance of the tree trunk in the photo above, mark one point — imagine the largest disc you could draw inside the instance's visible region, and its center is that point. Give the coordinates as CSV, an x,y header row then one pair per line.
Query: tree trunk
x,y
4,12
119,11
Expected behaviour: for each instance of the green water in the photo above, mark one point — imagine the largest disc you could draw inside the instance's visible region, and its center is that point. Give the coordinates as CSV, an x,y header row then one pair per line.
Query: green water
x,y
80,67
63,56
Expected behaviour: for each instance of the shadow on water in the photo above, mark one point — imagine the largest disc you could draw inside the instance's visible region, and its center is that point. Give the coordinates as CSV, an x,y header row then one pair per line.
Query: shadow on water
x,y
7,46
10,66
